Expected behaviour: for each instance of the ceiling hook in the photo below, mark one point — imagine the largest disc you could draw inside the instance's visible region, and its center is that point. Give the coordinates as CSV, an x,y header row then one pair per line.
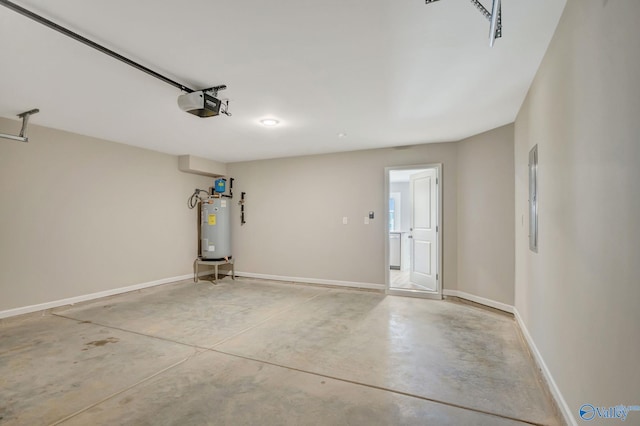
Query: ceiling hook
x,y
22,137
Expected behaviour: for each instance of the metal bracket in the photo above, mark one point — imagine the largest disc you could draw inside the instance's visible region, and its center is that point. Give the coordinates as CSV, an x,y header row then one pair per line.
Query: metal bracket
x,y
494,17
241,204
224,107
214,90
22,137
224,103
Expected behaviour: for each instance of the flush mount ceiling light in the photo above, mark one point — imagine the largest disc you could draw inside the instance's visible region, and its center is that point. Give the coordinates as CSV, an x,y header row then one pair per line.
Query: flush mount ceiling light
x,y
202,103
494,17
269,122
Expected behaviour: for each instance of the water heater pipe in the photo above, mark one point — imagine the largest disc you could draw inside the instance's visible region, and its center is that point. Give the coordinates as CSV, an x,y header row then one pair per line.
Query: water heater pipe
x,y
241,202
230,189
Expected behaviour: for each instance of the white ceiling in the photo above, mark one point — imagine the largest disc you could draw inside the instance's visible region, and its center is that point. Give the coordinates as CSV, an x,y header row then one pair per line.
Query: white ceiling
x,y
386,73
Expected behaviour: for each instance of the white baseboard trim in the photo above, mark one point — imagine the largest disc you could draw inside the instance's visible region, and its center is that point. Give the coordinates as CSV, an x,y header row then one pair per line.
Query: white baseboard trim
x,y
553,387
91,296
352,284
481,300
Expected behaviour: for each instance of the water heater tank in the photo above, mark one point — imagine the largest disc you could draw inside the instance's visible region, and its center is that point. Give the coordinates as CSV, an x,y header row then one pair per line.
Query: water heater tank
x,y
215,229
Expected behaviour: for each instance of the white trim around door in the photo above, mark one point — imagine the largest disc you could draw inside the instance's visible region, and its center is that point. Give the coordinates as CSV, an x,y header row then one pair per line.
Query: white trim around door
x,y
411,289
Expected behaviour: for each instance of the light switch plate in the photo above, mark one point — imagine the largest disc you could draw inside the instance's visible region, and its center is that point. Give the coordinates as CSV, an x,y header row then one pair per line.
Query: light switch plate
x,y
345,220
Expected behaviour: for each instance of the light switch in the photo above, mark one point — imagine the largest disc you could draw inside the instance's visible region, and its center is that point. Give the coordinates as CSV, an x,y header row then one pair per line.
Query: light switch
x,y
366,220
345,220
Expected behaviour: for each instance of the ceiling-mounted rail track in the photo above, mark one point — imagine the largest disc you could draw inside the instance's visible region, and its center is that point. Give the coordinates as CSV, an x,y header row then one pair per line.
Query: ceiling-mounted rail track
x,y
494,17
44,21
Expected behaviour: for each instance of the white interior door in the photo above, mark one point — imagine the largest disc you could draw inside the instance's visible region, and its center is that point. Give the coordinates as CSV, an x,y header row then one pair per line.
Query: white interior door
x,y
424,229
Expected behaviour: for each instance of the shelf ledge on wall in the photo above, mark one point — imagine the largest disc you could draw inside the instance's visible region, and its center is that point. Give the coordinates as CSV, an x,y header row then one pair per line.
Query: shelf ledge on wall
x,y
201,166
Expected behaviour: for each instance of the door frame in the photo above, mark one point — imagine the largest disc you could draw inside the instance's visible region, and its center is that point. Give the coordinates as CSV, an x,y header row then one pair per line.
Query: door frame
x,y
439,210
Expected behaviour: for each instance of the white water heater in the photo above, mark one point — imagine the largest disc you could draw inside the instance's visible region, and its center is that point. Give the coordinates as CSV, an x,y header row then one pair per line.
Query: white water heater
x,y
215,229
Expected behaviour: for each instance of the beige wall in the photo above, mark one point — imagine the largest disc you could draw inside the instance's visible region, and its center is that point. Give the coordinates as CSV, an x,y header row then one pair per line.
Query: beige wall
x,y
579,297
486,215
80,215
295,208
99,215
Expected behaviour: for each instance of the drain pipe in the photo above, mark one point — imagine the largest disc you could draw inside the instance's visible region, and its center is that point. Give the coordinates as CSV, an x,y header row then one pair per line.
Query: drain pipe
x,y
22,137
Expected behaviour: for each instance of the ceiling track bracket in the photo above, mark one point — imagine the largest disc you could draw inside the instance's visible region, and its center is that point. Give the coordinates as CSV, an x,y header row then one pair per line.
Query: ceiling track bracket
x,y
494,17
214,90
100,48
22,137
224,103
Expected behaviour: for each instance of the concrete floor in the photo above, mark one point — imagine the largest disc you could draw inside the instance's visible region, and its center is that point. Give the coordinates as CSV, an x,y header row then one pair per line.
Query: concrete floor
x,y
249,352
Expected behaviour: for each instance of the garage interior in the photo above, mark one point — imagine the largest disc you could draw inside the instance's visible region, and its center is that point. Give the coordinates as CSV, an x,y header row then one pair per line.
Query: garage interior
x,y
109,177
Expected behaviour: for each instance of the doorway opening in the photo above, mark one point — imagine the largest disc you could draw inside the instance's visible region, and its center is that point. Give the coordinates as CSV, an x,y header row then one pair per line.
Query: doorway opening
x,y
413,237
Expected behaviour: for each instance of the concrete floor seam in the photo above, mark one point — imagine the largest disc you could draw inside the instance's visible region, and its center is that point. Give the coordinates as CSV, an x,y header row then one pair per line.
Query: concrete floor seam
x,y
424,398
164,370
284,310
134,332
271,354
